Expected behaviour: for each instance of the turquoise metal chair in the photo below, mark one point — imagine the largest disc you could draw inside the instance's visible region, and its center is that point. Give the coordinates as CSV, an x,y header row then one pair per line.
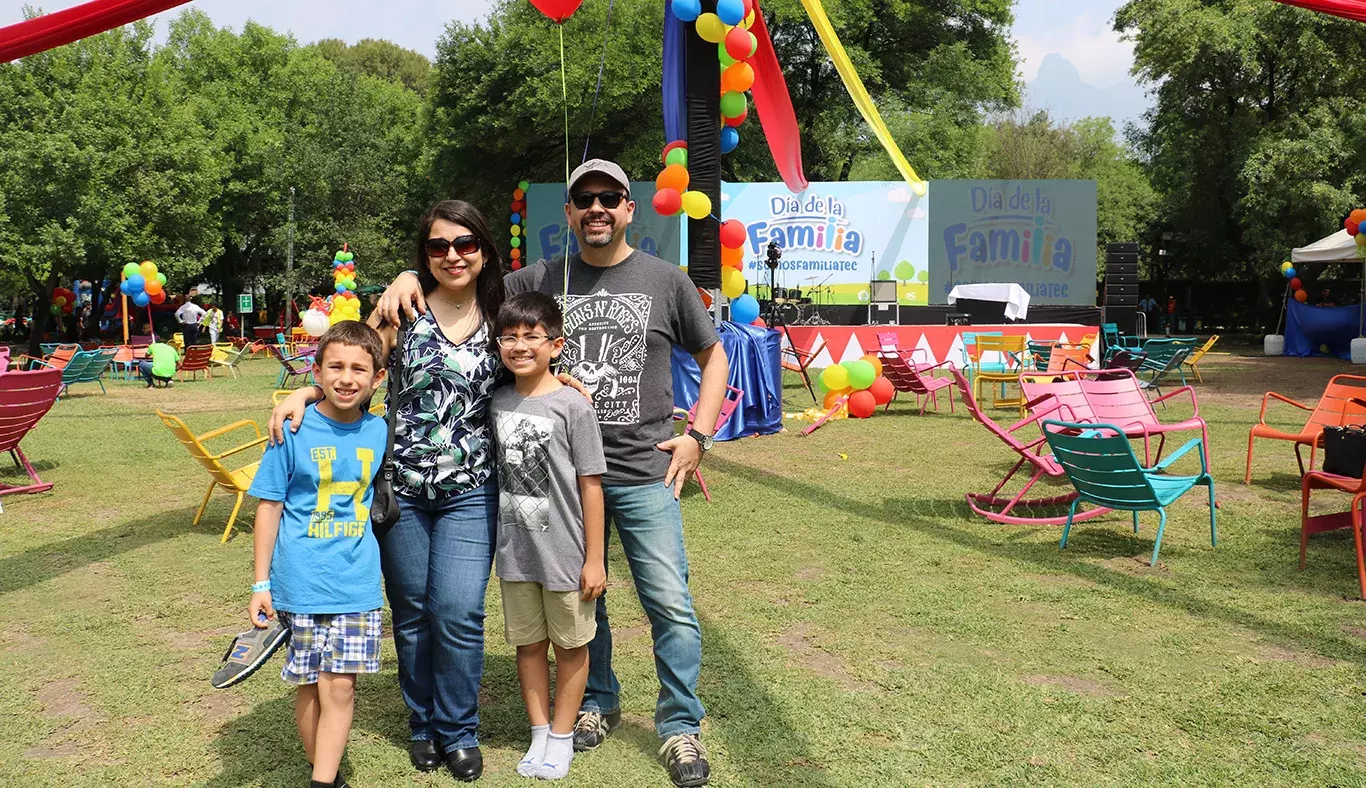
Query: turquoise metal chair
x,y
970,353
85,366
1101,464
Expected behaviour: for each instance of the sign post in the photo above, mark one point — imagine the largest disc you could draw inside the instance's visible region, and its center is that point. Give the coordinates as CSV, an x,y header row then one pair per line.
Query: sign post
x,y
244,308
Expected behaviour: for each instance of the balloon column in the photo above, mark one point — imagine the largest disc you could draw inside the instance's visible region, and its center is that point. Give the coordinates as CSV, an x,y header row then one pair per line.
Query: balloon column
x,y
345,304
63,301
728,28
1292,277
518,220
143,283
860,382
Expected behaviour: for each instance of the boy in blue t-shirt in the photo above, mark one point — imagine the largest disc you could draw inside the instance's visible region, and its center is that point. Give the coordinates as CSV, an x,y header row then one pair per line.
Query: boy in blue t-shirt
x,y
317,561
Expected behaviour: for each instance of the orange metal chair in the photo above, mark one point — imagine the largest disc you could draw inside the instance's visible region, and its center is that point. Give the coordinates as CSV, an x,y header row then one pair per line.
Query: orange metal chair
x,y
198,358
1343,399
236,480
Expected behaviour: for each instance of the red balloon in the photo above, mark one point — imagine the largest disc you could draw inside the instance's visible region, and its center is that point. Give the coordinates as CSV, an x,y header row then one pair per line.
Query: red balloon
x,y
1351,227
732,234
861,404
882,390
668,202
1296,284
738,119
739,42
759,321
557,10
159,297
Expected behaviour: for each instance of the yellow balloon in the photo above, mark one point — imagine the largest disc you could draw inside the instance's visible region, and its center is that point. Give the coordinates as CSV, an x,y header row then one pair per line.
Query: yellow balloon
x,y
696,205
711,28
835,377
516,231
732,283
749,20
148,269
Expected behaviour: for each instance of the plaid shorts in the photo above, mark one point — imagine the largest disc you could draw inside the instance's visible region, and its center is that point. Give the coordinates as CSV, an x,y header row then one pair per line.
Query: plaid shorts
x,y
331,643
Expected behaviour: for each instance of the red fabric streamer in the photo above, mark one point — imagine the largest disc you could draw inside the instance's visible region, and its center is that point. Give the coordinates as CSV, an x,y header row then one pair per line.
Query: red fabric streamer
x,y
1347,9
62,27
774,105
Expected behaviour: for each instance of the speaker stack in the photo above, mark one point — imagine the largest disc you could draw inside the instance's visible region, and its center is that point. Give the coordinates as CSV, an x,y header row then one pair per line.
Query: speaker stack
x,y
1121,287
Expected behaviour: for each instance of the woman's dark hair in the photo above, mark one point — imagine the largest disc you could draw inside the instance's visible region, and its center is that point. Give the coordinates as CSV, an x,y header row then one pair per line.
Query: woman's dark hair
x,y
488,288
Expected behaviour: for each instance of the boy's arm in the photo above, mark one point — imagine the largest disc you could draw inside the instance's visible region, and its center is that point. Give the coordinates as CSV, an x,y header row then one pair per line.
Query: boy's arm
x,y
263,544
593,579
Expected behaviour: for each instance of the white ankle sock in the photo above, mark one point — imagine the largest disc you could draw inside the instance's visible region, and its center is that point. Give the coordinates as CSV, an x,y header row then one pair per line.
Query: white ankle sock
x,y
559,752
536,753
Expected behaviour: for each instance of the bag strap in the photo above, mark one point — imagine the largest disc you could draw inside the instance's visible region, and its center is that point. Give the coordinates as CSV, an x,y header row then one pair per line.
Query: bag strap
x,y
396,377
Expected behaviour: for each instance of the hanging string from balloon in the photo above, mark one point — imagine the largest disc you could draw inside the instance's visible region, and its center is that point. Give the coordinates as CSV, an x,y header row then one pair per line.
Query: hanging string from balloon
x,y
597,91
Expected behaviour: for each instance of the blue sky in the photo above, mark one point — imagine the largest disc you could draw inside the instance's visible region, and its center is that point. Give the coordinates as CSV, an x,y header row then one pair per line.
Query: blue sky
x,y
1079,31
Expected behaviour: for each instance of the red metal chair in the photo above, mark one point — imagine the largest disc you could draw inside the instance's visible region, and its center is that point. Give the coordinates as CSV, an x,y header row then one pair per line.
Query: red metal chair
x,y
24,398
728,406
198,358
800,361
1318,480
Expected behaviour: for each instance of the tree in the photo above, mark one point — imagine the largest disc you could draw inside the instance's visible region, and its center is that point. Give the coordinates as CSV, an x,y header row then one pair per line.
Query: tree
x,y
379,58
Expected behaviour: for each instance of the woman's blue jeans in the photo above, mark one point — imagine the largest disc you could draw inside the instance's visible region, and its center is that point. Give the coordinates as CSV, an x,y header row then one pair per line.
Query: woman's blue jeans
x,y
436,563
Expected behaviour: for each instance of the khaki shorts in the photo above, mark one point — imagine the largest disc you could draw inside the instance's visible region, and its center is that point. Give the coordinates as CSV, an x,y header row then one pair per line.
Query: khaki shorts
x,y
531,614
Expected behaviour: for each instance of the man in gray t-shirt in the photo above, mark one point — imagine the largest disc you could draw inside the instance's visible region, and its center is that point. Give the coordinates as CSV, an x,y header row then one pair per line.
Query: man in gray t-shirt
x,y
545,443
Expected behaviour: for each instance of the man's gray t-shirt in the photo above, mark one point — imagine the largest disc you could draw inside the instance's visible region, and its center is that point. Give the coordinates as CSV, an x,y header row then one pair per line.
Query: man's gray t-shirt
x,y
620,324
545,444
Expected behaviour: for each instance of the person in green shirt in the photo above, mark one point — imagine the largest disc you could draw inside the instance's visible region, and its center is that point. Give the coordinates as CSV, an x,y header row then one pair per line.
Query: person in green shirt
x,y
161,365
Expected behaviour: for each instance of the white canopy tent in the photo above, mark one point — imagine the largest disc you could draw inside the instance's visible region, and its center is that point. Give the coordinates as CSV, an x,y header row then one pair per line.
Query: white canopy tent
x,y
1336,248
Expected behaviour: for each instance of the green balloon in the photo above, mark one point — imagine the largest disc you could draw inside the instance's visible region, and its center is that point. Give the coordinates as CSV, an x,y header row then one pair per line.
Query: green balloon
x,y
724,56
348,256
753,44
130,269
732,104
677,156
861,374
516,242
161,278
523,185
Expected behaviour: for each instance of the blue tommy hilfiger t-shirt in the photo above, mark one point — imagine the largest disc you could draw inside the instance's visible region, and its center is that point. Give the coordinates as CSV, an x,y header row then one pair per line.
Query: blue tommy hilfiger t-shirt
x,y
326,558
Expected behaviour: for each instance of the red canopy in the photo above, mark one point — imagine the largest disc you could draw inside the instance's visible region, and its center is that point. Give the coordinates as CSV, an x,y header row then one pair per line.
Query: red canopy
x,y
62,27
1347,9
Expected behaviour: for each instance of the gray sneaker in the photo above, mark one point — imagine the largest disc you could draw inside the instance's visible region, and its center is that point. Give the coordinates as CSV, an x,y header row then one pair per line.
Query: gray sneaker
x,y
248,652
686,759
591,729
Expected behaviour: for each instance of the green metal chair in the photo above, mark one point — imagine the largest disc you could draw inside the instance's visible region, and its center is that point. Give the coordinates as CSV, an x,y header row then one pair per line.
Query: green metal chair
x,y
1101,464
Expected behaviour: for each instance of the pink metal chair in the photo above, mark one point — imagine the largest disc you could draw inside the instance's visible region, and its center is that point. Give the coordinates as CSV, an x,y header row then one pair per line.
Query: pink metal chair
x,y
917,379
994,505
24,398
728,406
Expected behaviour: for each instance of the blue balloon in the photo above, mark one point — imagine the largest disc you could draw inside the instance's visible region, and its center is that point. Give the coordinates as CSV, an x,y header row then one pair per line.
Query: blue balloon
x,y
1290,273
730,138
141,299
732,12
687,10
124,288
341,288
515,218
744,309
136,283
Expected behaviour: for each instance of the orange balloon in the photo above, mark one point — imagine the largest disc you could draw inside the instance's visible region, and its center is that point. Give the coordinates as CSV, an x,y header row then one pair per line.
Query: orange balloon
x,y
831,396
735,258
875,361
674,176
706,297
515,254
518,194
1301,296
153,286
738,77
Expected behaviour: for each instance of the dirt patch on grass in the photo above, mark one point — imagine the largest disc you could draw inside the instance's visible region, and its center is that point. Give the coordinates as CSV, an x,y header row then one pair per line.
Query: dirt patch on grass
x,y
800,642
63,700
810,574
1357,632
1272,652
1075,684
629,633
1135,563
217,708
18,641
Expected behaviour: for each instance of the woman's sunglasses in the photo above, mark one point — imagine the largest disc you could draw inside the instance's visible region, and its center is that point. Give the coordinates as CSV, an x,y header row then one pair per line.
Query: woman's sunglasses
x,y
464,245
610,200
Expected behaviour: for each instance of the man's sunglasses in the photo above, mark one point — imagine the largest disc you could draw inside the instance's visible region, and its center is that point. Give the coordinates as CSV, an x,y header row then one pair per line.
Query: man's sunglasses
x,y
610,200
464,245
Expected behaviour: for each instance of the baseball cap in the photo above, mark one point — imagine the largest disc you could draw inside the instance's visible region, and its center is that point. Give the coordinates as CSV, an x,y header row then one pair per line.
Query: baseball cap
x,y
608,168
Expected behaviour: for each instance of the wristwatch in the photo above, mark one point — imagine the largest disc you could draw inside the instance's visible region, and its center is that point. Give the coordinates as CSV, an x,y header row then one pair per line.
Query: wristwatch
x,y
703,440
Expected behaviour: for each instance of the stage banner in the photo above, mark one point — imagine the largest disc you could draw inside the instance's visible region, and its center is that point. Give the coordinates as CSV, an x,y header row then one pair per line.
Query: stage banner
x,y
835,238
1041,234
649,232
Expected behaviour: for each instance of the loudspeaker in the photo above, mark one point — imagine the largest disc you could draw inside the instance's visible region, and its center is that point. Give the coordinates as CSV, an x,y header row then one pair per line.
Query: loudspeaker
x,y
1121,286
882,292
957,319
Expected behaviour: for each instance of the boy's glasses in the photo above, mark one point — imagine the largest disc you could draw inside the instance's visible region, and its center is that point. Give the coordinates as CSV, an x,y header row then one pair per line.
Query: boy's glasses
x,y
532,341
464,245
610,200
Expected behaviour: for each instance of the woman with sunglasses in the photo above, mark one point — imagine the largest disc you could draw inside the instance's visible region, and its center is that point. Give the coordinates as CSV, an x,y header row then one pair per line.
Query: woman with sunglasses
x,y
436,559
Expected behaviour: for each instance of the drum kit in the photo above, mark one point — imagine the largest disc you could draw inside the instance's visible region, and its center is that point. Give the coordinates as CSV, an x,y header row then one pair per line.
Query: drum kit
x,y
800,306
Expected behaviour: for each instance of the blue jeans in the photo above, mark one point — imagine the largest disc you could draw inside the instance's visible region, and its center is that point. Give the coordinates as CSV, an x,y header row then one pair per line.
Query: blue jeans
x,y
436,563
650,526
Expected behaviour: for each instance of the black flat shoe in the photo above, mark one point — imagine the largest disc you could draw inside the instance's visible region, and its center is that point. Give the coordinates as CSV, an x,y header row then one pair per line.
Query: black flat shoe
x,y
424,755
466,765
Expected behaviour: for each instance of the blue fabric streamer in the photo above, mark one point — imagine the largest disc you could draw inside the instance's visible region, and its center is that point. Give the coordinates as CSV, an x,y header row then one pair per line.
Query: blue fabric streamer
x,y
675,107
755,368
1307,328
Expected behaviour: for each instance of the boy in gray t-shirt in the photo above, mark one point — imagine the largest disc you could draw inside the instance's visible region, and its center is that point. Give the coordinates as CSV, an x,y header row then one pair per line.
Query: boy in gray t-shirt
x,y
550,525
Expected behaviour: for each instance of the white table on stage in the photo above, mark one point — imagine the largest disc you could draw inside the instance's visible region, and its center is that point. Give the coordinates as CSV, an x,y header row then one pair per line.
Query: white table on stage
x,y
1011,294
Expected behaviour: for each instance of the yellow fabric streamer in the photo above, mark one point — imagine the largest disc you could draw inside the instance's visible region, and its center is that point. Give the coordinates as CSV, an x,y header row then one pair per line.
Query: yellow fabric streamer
x,y
858,93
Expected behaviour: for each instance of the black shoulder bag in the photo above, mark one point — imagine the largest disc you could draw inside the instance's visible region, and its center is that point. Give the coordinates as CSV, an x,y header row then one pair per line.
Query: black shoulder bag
x,y
384,509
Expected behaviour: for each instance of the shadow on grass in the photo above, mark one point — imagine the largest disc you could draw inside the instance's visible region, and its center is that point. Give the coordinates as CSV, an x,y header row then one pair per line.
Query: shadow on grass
x,y
53,559
901,512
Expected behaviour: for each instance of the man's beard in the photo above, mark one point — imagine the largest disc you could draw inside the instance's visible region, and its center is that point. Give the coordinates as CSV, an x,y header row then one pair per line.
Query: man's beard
x,y
597,238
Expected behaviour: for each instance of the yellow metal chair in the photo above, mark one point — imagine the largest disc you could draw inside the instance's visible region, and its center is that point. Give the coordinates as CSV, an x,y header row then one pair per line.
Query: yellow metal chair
x,y
177,341
1011,351
235,480
1193,359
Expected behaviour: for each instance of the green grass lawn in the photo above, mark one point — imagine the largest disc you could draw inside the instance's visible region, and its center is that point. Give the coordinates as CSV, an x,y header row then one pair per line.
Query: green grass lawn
x,y
861,627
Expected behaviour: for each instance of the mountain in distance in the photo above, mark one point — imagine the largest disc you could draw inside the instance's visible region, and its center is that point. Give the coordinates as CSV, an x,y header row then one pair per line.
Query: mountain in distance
x,y
1058,88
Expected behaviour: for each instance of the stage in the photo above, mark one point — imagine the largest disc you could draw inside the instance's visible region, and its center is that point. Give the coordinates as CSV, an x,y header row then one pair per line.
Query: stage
x,y
939,343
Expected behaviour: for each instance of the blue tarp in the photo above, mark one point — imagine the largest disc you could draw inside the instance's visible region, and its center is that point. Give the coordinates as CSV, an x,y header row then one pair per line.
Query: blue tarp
x,y
1309,328
755,368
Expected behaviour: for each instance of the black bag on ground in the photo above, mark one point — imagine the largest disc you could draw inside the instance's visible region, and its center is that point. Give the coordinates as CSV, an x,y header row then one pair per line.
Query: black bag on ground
x,y
384,509
1344,450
